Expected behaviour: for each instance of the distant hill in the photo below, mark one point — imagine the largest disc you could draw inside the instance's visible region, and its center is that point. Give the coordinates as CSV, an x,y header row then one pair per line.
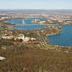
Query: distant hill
x,y
35,11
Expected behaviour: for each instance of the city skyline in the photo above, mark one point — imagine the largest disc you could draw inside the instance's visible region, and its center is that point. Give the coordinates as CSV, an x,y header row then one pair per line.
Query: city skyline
x,y
38,4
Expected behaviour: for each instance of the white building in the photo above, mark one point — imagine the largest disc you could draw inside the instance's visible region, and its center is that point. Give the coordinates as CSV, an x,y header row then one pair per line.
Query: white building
x,y
33,39
26,39
41,22
2,58
22,37
7,37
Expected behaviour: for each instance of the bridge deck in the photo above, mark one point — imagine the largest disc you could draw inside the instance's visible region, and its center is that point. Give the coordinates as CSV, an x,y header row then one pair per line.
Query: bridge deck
x,y
36,24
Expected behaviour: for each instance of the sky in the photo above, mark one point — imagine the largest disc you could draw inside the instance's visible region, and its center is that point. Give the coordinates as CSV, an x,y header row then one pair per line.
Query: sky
x,y
35,4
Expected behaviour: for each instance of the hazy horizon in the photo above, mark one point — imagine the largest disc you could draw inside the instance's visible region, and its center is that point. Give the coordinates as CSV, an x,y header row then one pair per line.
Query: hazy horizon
x,y
38,4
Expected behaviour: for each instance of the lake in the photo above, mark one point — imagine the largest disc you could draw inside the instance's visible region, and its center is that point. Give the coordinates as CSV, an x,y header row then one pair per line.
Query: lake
x,y
62,39
26,21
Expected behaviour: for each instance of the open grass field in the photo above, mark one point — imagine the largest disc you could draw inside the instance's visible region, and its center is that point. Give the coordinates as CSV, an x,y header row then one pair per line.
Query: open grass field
x,y
30,59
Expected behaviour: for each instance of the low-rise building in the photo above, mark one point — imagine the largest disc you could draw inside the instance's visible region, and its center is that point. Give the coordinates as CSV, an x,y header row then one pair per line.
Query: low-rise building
x,y
22,37
6,36
2,58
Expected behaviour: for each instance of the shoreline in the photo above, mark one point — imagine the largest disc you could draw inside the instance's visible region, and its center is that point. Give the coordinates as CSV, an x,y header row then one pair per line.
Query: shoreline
x,y
46,34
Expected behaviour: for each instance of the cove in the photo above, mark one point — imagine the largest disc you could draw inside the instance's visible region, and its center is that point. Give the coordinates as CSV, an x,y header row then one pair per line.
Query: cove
x,y
62,39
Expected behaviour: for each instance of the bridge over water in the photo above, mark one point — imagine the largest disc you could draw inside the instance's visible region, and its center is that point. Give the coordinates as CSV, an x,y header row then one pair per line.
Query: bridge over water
x,y
48,25
57,26
38,24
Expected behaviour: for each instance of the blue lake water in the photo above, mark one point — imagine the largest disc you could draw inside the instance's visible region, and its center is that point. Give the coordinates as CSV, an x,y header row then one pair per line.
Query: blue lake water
x,y
26,21
62,39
